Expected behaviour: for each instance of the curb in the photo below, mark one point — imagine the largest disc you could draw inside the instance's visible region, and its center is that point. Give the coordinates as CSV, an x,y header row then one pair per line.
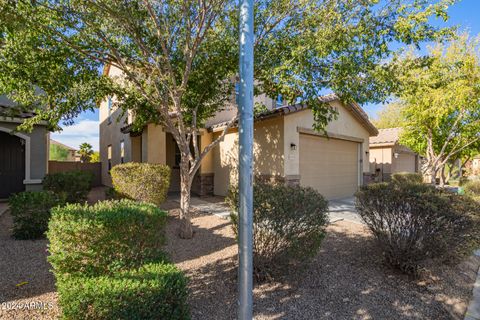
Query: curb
x,y
473,311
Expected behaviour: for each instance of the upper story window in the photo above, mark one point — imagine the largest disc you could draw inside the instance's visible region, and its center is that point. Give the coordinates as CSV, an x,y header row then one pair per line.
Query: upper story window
x,y
279,100
109,158
122,151
109,110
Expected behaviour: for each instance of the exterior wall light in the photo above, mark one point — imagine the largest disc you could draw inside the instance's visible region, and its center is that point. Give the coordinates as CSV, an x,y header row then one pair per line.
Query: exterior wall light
x,y
396,155
293,146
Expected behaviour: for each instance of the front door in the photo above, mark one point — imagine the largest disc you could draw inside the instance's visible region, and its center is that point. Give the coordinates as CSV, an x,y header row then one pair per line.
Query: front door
x,y
12,164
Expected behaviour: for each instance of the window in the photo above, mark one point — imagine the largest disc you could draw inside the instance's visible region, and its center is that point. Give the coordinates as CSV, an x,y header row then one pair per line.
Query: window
x,y
122,151
109,157
109,110
279,100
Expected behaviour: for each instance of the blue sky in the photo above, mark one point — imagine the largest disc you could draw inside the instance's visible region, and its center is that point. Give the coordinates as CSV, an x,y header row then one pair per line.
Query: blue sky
x,y
464,14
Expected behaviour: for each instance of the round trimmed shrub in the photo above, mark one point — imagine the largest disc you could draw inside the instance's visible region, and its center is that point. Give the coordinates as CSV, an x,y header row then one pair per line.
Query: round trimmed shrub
x,y
288,225
414,222
472,187
106,237
142,181
154,291
74,184
407,177
31,213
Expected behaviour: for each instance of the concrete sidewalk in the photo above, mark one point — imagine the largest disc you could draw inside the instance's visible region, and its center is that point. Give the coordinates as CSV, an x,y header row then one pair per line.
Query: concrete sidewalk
x,y
343,209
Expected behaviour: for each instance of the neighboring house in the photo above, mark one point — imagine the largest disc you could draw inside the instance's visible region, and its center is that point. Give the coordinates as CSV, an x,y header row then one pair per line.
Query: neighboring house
x,y
476,163
387,156
23,156
71,153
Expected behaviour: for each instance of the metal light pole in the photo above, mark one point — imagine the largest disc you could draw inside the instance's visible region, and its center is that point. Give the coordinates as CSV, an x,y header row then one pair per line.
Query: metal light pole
x,y
245,233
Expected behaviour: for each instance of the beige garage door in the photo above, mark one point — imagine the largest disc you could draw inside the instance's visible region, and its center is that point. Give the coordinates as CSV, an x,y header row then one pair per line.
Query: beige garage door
x,y
329,165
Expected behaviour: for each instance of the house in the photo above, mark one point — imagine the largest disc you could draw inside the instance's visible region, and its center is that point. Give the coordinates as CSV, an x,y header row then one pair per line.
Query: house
x,y
476,164
286,148
387,156
72,153
23,156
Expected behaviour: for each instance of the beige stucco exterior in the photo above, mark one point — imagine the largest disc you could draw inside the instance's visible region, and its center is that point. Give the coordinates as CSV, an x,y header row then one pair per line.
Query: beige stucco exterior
x,y
388,159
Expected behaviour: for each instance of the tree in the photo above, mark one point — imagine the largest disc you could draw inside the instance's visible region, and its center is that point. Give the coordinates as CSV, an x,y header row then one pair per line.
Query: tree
x,y
95,157
58,153
86,152
389,117
179,58
441,97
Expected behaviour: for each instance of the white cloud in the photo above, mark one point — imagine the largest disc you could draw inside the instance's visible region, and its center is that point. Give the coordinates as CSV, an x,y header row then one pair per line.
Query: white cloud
x,y
83,131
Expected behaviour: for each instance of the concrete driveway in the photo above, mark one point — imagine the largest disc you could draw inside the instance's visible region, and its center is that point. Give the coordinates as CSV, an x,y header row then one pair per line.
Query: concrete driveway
x,y
343,209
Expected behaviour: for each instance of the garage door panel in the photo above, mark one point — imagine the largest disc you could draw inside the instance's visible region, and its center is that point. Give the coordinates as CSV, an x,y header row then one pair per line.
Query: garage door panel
x,y
329,165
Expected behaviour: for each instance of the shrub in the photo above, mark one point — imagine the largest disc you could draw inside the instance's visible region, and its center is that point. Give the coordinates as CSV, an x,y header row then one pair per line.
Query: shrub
x,y
31,212
75,184
142,181
155,291
111,194
288,225
106,237
407,177
472,187
415,222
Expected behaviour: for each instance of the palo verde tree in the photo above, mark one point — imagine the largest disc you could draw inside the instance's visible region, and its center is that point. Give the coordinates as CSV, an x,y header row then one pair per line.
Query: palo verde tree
x,y
390,116
442,102
179,59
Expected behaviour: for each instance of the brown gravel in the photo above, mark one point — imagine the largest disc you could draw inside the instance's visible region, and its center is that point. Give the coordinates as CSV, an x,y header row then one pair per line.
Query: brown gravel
x,y
24,262
345,280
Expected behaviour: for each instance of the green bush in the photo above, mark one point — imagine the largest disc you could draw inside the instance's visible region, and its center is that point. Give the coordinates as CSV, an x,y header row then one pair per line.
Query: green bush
x,y
288,225
142,181
111,194
407,177
75,184
155,291
31,212
106,237
414,222
472,187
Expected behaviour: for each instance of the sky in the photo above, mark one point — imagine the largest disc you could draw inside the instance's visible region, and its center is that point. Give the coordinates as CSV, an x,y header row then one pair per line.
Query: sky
x,y
86,126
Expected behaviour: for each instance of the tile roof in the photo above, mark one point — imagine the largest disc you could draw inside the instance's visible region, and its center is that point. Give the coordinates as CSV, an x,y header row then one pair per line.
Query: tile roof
x,y
386,136
354,108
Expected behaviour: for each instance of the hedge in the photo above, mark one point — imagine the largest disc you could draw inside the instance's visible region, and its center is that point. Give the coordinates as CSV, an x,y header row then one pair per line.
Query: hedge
x,y
407,177
31,212
75,184
106,237
142,181
155,291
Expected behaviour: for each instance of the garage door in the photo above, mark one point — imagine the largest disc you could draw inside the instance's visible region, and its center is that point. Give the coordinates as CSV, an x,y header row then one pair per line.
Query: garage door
x,y
329,165
405,162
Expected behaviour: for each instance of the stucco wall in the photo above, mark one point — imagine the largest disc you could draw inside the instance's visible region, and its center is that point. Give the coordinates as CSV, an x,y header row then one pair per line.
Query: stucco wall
x,y
110,134
39,152
268,154
345,125
381,158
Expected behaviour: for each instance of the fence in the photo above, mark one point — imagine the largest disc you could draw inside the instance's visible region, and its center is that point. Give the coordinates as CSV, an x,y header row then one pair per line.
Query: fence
x,y
64,166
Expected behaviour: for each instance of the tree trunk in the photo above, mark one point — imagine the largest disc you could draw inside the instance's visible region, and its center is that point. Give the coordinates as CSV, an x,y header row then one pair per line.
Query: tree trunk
x,y
442,177
433,175
185,230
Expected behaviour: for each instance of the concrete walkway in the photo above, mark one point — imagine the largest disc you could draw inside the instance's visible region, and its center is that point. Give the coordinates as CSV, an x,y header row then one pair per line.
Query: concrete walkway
x,y
473,311
342,209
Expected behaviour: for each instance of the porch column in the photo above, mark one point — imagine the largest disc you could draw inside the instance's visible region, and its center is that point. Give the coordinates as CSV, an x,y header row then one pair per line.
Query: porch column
x,y
156,144
205,175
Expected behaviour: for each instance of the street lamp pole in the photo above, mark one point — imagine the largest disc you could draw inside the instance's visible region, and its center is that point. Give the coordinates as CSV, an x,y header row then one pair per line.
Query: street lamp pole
x,y
245,128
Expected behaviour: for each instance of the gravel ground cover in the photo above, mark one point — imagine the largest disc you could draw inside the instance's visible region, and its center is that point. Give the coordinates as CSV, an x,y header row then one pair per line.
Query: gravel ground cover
x,y
345,280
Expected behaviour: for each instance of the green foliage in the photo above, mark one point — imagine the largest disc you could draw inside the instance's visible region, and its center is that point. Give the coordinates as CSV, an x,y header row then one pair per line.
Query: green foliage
x,y
106,237
75,184
407,177
441,101
142,181
155,291
31,213
389,117
416,222
58,153
95,157
288,225
85,152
